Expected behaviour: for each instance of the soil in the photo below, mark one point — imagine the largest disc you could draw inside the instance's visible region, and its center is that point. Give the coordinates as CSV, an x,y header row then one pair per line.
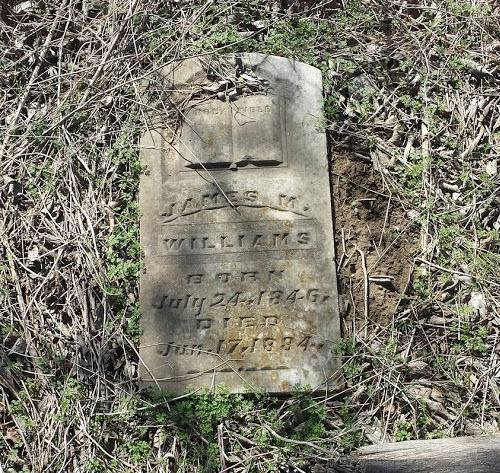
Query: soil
x,y
369,221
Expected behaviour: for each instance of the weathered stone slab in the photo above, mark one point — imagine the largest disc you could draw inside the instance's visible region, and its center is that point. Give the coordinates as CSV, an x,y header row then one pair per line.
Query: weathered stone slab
x,y
239,284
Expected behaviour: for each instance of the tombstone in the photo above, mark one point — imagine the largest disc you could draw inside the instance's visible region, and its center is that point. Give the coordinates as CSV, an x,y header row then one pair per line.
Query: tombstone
x,y
239,286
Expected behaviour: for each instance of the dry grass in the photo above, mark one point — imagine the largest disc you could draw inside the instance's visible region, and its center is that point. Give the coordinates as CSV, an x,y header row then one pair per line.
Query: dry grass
x,y
411,96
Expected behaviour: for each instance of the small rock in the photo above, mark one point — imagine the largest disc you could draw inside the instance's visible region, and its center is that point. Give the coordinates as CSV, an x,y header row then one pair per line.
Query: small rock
x,y
236,17
449,187
374,433
107,101
129,369
33,254
495,391
361,87
14,189
478,302
259,24
13,435
437,320
244,34
490,427
462,277
19,40
437,395
249,78
473,428
425,382
417,391
9,118
358,392
23,7
376,346
445,296
211,87
222,84
438,408
475,67
464,210
232,94
31,110
491,168
413,214
418,367
19,347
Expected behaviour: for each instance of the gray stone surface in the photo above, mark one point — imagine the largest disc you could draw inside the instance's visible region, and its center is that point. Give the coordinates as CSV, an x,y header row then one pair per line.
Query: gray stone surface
x,y
239,284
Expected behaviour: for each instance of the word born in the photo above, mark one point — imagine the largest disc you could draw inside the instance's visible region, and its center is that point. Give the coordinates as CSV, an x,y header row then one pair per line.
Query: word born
x,y
242,276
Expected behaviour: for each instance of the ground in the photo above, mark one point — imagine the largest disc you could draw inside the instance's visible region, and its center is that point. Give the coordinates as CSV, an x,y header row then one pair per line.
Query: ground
x,y
413,122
